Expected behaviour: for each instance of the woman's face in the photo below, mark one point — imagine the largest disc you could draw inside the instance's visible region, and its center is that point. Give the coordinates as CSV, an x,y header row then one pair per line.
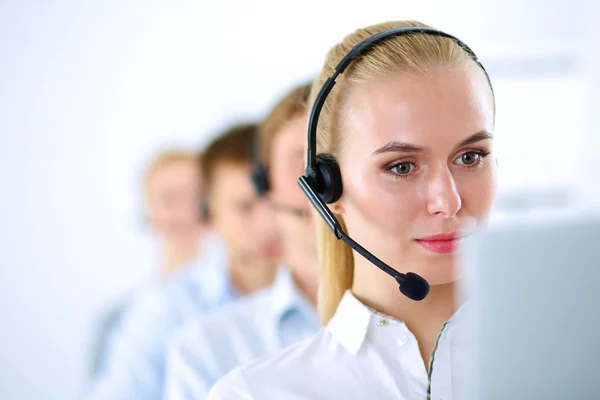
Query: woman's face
x,y
417,167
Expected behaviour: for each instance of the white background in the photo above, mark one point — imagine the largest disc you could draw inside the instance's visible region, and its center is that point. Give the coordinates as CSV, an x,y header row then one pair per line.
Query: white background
x,y
89,90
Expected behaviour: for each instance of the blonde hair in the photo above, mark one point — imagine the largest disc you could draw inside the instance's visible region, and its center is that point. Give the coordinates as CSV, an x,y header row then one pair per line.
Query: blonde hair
x,y
163,160
413,53
294,104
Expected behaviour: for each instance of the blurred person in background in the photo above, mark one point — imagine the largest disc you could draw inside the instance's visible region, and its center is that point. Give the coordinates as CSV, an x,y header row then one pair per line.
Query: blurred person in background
x,y
172,191
405,161
135,359
205,350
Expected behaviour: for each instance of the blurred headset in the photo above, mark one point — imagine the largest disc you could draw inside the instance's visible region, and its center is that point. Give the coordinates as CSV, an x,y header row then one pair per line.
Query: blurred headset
x,y
204,214
260,175
322,180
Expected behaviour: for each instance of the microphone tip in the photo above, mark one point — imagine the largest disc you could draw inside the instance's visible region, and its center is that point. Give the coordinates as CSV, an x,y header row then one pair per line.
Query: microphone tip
x,y
413,286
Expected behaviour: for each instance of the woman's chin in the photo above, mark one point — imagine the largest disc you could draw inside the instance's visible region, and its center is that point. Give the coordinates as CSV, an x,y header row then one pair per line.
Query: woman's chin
x,y
439,273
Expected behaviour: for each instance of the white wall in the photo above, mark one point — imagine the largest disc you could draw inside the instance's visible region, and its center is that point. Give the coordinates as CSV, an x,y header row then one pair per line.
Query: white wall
x,y
89,90
589,182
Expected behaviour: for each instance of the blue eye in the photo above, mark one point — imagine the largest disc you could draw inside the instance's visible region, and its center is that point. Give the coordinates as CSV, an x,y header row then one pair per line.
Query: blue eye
x,y
404,168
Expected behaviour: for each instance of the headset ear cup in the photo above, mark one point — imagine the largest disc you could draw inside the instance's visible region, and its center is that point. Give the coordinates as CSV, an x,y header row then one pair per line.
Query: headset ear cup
x,y
329,179
260,180
204,213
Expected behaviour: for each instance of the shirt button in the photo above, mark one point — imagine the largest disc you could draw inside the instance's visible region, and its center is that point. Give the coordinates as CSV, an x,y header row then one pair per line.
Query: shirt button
x,y
402,339
382,322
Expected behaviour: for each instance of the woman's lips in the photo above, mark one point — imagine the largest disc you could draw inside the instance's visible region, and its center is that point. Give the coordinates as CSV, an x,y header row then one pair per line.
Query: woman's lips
x,y
441,243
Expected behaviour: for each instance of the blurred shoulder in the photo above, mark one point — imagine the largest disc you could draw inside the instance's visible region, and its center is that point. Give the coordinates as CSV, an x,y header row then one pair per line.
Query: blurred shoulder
x,y
216,326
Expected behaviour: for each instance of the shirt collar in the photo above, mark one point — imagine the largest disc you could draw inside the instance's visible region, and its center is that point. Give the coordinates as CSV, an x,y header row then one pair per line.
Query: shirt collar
x,y
350,323
352,320
287,297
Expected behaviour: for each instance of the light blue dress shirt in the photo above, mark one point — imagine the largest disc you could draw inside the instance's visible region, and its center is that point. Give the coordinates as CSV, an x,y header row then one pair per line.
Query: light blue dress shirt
x,y
207,349
135,362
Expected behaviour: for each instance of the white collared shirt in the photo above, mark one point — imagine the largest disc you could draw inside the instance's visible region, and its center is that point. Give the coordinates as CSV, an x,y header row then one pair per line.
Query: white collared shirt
x,y
358,355
212,345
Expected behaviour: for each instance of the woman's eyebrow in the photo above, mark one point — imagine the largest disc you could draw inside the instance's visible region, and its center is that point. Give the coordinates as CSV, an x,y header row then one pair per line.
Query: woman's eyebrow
x,y
398,147
477,137
401,147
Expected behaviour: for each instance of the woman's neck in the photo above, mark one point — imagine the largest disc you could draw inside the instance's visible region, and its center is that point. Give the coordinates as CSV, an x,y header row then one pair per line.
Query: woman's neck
x,y
423,318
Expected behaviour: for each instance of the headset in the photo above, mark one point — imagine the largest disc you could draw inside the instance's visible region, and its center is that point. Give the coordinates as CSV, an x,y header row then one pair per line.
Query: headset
x,y
322,180
260,174
204,212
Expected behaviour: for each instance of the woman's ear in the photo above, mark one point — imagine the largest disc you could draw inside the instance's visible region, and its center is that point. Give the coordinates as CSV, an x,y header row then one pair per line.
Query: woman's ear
x,y
337,207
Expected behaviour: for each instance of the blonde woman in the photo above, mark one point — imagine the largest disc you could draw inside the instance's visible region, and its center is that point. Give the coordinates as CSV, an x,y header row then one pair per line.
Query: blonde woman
x,y
409,123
